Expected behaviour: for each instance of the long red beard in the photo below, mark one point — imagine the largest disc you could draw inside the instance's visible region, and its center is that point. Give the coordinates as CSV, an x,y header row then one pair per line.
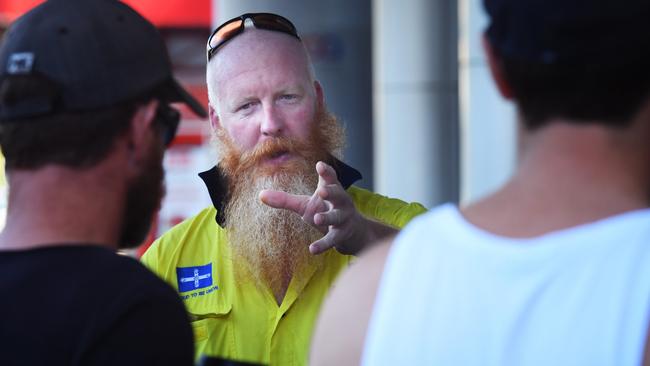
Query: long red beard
x,y
269,245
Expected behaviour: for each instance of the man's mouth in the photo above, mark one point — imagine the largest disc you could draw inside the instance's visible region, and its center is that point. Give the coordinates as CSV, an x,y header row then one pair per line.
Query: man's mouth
x,y
278,157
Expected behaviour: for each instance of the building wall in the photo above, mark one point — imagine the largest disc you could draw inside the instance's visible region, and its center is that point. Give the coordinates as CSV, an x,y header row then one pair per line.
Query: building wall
x,y
416,99
488,129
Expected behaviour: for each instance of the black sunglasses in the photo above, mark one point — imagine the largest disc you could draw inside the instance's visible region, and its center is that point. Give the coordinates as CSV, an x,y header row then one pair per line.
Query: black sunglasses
x,y
235,26
168,118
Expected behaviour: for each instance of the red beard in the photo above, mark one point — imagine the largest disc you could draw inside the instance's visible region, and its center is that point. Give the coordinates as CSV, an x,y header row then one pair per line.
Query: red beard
x,y
273,243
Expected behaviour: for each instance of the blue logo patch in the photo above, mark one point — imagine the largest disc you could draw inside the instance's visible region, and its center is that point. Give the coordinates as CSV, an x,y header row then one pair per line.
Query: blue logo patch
x,y
194,278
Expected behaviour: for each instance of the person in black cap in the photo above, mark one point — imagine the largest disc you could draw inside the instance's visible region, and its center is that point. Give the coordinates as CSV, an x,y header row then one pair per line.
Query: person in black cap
x,y
553,268
85,116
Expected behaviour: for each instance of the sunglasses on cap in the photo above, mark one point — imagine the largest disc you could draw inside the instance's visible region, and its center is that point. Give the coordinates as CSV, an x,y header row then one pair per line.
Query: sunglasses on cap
x,y
235,26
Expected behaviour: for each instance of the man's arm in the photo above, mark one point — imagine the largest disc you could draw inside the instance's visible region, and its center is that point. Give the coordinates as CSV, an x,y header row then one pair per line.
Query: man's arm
x,y
343,322
331,210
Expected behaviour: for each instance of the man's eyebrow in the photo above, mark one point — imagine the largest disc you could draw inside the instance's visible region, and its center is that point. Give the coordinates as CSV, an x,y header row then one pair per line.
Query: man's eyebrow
x,y
292,89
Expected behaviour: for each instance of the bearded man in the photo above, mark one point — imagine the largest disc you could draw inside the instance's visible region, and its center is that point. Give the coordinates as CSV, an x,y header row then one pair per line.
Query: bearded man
x,y
250,279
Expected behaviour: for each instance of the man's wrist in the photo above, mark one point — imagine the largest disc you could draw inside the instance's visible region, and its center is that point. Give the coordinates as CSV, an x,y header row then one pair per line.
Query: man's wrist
x,y
373,232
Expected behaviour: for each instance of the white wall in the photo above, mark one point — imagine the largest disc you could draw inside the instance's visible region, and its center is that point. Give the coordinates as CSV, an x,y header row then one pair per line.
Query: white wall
x,y
415,88
488,130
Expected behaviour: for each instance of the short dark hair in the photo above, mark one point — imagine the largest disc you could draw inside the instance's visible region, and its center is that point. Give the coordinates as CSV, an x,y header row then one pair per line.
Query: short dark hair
x,y
74,139
582,93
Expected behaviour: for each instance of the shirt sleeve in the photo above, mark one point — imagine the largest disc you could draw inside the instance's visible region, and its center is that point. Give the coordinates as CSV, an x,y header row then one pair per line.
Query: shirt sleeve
x,y
150,257
390,211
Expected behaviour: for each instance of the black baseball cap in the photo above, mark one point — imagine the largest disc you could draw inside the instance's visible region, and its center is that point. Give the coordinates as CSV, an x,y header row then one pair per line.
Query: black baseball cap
x,y
603,32
97,53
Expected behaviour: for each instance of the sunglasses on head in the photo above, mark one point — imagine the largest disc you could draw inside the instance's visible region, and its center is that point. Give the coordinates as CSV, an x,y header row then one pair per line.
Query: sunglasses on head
x,y
235,26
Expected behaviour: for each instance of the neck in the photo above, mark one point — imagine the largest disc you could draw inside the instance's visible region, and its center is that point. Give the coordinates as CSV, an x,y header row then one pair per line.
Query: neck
x,y
281,291
57,205
568,175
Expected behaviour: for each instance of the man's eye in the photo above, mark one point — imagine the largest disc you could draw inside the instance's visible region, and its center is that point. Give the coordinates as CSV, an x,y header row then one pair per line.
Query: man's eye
x,y
245,106
289,97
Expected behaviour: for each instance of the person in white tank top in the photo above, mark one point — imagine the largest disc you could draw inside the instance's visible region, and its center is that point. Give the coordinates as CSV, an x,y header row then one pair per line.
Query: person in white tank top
x,y
554,267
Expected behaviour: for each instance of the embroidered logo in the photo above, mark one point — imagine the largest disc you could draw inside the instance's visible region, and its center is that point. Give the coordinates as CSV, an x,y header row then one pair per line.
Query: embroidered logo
x,y
194,278
20,63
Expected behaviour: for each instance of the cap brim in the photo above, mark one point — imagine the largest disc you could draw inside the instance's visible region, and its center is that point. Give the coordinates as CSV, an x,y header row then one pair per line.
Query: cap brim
x,y
179,94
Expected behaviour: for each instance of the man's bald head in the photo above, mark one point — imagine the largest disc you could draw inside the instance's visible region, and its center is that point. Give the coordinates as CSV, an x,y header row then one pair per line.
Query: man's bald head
x,y
256,49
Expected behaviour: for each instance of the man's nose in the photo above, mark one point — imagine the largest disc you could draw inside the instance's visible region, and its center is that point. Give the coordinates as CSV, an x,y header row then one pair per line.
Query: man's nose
x,y
272,122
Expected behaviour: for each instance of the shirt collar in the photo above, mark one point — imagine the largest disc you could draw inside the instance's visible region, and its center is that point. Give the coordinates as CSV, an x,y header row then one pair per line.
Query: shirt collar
x,y
216,182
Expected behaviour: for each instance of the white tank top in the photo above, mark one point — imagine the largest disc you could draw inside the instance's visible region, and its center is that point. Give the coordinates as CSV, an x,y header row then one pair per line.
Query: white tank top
x,y
452,294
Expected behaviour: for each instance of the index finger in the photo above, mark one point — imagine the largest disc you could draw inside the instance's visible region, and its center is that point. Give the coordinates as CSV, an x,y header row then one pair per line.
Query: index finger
x,y
284,200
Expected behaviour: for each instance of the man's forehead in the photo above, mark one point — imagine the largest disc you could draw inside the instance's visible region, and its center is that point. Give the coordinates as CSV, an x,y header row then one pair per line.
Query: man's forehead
x,y
261,43
269,57
260,83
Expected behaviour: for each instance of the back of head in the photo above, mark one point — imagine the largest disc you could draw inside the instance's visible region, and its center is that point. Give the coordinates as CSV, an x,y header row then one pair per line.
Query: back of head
x,y
71,75
578,60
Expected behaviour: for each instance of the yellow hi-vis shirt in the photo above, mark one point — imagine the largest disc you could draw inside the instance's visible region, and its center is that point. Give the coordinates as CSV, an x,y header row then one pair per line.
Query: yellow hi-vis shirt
x,y
240,321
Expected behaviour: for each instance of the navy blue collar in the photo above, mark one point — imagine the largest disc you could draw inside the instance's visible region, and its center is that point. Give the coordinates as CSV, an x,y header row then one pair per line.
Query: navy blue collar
x,y
217,183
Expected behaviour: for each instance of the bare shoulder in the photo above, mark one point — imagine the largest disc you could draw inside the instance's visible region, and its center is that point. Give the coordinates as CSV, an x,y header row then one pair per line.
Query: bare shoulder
x,y
341,327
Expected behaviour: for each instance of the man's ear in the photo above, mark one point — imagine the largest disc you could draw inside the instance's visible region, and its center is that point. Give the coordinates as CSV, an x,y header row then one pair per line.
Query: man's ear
x,y
320,96
496,69
214,118
139,135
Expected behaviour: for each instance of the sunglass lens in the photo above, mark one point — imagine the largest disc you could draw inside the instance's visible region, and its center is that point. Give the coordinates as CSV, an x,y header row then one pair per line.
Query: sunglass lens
x,y
225,33
168,118
274,22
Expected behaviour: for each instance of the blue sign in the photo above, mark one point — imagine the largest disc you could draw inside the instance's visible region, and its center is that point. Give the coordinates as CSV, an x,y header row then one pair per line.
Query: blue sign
x,y
194,278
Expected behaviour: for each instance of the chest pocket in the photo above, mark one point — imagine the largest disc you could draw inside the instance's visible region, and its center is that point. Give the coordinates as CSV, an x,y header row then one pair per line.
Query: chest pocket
x,y
213,332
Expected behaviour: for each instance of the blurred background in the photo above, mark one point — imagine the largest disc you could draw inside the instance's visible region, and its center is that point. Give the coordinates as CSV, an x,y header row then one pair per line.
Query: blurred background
x,y
407,78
